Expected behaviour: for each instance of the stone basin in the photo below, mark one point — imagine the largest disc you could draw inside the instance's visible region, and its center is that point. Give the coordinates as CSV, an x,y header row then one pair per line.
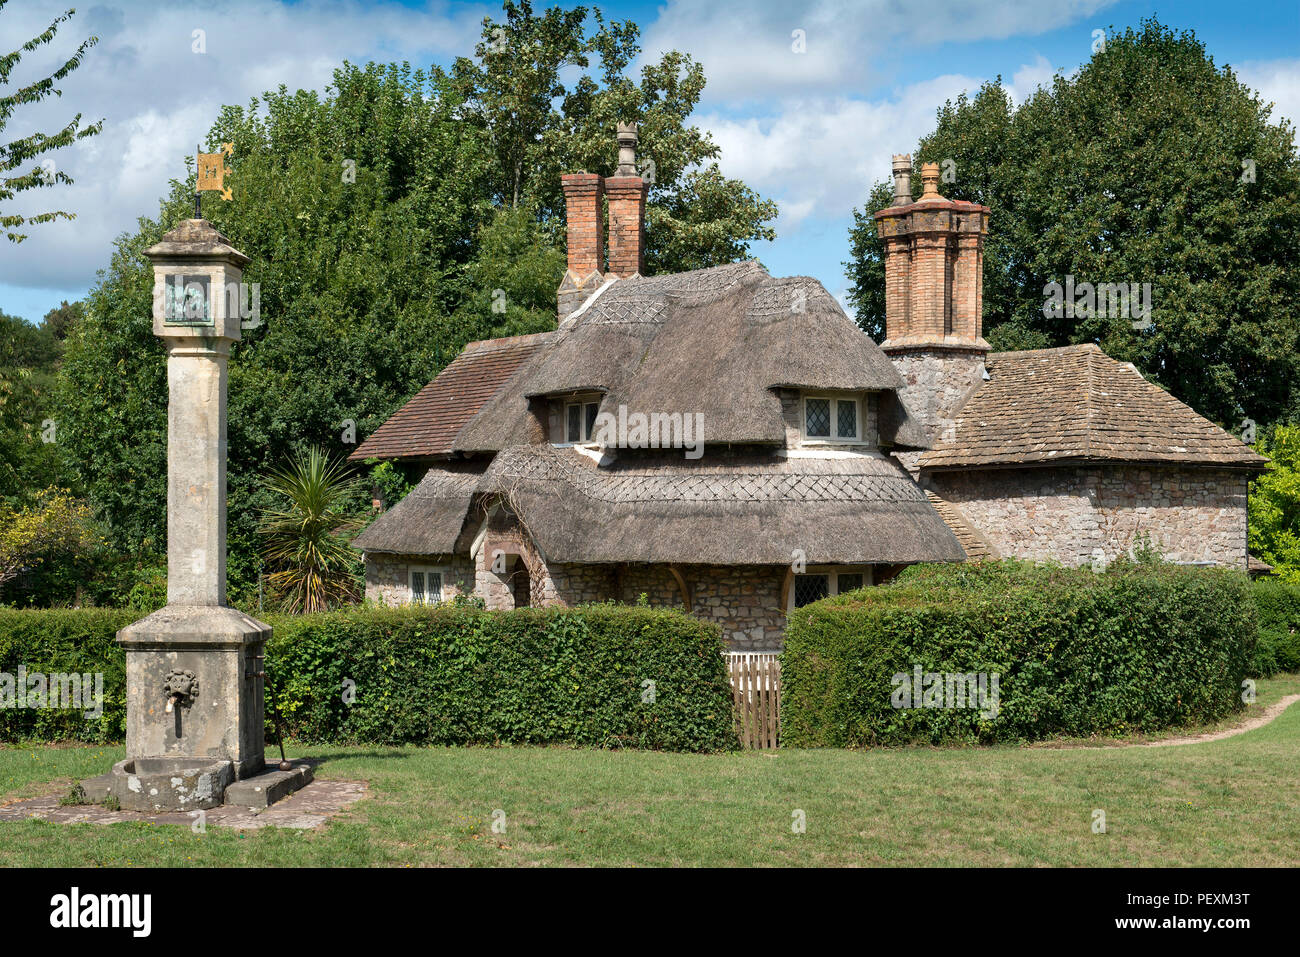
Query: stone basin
x,y
171,784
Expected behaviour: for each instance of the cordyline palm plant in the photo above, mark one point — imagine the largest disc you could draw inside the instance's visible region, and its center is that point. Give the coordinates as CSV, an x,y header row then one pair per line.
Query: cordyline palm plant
x,y
303,542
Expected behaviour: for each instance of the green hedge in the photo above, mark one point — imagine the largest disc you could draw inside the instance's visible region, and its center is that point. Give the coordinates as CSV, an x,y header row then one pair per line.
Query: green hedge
x,y
447,675
67,641
1135,648
466,676
1278,605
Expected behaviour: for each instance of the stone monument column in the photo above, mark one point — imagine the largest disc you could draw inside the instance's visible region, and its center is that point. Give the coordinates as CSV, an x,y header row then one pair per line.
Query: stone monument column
x,y
194,668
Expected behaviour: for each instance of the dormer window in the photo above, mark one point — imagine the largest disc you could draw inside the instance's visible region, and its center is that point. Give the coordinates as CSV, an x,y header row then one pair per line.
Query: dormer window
x,y
580,421
831,419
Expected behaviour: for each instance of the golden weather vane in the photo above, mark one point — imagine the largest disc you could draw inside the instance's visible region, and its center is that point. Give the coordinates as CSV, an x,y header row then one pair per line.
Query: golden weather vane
x,y
211,175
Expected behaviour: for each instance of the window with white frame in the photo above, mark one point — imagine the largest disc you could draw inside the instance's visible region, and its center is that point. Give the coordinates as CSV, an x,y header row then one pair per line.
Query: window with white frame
x,y
829,418
822,583
580,420
426,585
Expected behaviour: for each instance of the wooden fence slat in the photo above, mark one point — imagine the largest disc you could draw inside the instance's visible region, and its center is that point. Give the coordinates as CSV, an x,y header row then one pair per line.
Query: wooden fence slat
x,y
756,697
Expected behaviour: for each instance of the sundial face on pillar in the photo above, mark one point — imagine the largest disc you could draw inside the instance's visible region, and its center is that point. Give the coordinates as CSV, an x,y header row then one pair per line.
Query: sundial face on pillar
x,y
187,300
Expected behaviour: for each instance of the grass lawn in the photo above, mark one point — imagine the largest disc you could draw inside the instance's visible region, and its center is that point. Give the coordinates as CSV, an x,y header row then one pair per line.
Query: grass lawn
x,y
1231,802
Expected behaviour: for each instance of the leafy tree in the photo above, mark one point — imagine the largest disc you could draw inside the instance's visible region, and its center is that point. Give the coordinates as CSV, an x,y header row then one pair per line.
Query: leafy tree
x,y
17,153
54,525
313,566
29,428
539,128
59,321
1275,504
1150,165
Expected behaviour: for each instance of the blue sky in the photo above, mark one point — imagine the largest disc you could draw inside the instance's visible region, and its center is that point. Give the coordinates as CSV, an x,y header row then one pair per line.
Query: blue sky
x,y
811,130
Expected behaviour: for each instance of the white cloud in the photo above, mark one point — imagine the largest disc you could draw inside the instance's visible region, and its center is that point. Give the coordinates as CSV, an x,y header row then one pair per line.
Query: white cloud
x,y
1026,80
1277,82
844,39
158,98
820,157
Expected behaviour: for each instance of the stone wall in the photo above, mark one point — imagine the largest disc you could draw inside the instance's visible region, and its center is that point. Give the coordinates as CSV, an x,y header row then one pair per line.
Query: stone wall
x,y
388,576
743,600
1192,515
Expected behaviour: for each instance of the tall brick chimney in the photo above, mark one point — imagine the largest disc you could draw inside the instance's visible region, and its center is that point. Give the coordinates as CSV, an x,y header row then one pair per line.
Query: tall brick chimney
x,y
584,201
934,259
627,193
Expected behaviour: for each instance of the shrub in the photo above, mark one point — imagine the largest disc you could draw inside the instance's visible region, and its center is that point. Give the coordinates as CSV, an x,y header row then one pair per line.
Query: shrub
x,y
1139,647
69,641
443,675
1278,604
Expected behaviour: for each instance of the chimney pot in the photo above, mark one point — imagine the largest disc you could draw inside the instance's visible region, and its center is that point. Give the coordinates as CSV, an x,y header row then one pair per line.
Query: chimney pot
x,y
902,179
626,191
627,139
930,183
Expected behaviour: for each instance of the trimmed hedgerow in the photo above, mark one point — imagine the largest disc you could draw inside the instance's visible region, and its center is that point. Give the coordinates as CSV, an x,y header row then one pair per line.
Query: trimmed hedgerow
x,y
1136,648
63,641
1278,605
602,675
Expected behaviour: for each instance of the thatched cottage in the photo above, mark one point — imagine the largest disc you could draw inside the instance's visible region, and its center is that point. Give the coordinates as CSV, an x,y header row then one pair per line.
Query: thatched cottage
x,y
732,443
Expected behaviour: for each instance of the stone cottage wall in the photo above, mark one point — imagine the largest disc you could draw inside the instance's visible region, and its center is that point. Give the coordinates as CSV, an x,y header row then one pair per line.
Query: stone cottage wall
x,y
1193,515
388,579
744,601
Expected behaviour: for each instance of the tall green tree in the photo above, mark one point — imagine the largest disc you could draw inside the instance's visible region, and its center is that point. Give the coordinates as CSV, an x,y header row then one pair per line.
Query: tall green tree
x,y
539,128
17,154
1150,165
30,453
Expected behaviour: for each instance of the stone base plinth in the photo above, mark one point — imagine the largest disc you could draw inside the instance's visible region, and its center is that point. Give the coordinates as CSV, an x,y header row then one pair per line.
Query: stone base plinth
x,y
155,785
213,655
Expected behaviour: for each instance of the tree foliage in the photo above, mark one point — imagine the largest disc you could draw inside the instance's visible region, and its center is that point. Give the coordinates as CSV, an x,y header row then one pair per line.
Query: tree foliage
x,y
30,456
16,154
1275,504
1150,165
313,567
55,524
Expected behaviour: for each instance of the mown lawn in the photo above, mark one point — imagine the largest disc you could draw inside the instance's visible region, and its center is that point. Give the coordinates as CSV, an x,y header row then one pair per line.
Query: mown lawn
x,y
1232,802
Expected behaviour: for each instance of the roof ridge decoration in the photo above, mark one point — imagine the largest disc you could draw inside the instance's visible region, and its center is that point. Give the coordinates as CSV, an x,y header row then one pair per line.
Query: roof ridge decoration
x,y
885,483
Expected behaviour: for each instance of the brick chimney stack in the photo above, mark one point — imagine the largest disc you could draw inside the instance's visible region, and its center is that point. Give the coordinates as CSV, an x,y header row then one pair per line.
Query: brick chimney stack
x,y
584,201
934,259
627,194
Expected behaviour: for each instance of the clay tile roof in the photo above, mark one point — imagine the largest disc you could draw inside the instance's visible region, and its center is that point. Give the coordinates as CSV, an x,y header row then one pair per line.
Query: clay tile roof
x,y
429,423
1076,404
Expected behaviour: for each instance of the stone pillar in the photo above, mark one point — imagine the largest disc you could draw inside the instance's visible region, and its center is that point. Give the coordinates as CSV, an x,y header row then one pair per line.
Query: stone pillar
x,y
194,690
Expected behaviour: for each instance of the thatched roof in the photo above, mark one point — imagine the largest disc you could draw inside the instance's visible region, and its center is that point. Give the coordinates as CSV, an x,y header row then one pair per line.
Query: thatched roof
x,y
725,509
430,520
427,426
717,341
1077,405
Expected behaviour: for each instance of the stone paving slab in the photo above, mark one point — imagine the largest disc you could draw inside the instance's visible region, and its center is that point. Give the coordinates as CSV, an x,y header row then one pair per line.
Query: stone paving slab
x,y
306,809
